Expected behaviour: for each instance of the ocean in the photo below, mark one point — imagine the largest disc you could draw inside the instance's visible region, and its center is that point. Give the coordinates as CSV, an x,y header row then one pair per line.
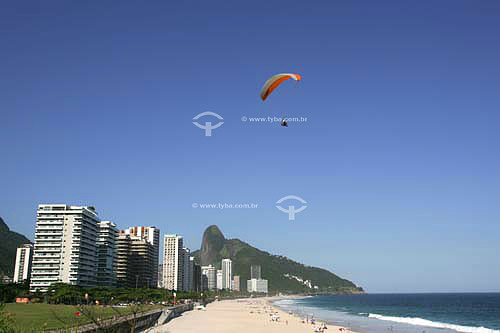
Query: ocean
x,y
405,313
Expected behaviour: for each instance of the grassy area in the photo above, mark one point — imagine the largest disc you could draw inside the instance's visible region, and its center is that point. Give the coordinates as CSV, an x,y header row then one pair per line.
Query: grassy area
x,y
29,317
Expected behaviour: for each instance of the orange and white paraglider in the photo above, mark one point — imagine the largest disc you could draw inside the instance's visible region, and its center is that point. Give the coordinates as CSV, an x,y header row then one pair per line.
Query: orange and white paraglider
x,y
272,83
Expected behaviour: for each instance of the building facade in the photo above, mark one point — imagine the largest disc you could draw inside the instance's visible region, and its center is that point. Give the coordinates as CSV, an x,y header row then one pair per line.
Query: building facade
x,y
236,283
152,236
257,286
219,279
160,275
189,270
144,265
65,247
197,277
186,270
123,266
255,272
22,269
173,262
227,274
210,274
106,254
136,262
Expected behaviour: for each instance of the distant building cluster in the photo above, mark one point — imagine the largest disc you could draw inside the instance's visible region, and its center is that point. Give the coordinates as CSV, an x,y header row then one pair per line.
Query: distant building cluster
x,y
73,245
222,279
256,284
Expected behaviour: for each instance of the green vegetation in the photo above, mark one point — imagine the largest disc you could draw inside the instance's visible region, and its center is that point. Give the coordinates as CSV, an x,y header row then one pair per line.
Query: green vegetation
x,y
62,293
40,315
6,321
9,292
215,247
49,316
67,305
9,241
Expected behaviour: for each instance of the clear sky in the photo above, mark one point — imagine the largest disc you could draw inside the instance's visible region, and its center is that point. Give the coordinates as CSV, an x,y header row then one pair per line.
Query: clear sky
x,y
398,160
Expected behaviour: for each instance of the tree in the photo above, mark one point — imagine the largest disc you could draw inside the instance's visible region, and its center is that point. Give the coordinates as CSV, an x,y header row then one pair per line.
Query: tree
x,y
9,292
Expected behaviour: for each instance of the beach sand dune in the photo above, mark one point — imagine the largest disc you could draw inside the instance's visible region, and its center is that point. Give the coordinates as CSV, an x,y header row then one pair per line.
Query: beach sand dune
x,y
242,316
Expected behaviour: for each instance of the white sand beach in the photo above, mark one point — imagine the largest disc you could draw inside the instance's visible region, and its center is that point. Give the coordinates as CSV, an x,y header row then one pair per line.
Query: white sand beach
x,y
243,316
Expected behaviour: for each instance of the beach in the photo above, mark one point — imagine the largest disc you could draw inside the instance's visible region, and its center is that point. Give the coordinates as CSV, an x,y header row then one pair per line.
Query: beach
x,y
243,316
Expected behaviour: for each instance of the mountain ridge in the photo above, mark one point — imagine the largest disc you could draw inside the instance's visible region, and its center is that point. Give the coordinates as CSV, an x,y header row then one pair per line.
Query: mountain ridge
x,y
282,273
9,242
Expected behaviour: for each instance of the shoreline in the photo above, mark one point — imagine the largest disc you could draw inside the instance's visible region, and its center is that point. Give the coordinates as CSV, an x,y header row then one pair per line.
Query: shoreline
x,y
373,322
299,315
247,315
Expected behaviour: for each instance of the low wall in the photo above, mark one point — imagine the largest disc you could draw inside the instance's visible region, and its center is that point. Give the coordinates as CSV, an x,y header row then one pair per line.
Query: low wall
x,y
139,322
171,313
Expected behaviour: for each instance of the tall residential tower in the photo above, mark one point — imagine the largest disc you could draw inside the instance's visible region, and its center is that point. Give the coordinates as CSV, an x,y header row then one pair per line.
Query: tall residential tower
x,y
152,236
173,262
210,274
106,254
22,270
227,274
65,246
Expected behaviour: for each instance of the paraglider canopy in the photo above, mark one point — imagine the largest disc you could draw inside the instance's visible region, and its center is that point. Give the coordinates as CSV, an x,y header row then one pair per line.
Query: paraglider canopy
x,y
274,81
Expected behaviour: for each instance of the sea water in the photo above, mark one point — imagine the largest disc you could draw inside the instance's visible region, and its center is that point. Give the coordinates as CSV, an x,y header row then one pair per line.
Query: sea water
x,y
406,313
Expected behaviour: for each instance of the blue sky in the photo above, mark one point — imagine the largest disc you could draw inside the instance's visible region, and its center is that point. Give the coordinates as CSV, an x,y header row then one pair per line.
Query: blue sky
x,y
398,160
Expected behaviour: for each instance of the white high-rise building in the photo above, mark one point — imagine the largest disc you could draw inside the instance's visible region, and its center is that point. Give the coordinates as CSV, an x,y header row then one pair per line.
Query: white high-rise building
x,y
173,268
152,236
257,286
22,270
211,274
227,274
65,246
106,254
219,279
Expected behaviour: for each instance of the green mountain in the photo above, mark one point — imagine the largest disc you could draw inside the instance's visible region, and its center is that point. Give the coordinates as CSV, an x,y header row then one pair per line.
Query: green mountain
x,y
9,241
283,274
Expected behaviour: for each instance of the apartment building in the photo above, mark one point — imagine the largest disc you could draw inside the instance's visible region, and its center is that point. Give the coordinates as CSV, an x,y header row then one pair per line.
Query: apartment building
x,y
136,262
173,262
219,279
65,248
236,283
210,274
106,254
152,236
257,286
22,269
227,274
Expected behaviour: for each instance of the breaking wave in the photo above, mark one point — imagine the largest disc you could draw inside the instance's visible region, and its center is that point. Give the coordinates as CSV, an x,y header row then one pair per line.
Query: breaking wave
x,y
435,324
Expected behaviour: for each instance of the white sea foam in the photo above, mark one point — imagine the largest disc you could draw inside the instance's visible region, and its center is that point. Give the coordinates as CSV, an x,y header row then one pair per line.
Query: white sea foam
x,y
435,324
285,302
